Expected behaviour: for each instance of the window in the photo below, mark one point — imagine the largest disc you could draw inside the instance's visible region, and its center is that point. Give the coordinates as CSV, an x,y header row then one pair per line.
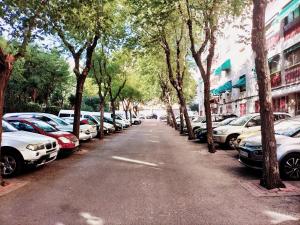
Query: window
x,y
274,64
256,121
64,115
292,56
292,16
280,104
243,109
23,126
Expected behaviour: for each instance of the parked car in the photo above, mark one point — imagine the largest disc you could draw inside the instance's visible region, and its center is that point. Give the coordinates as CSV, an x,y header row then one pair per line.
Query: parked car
x,y
136,120
87,124
66,140
228,134
108,121
287,135
55,121
201,133
20,148
125,124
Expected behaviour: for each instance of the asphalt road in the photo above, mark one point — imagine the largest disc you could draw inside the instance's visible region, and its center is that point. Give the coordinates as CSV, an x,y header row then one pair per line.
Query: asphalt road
x,y
148,174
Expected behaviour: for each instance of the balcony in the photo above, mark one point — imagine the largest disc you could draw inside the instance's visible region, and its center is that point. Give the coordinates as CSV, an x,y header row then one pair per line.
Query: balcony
x,y
275,80
292,74
291,28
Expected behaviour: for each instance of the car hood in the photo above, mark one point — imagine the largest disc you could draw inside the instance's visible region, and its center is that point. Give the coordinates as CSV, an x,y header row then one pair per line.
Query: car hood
x,y
229,128
280,139
62,134
26,137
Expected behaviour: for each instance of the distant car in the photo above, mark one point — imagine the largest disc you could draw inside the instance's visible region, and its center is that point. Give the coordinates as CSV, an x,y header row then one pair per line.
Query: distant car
x,y
201,133
55,121
287,135
87,124
228,134
20,148
66,140
136,120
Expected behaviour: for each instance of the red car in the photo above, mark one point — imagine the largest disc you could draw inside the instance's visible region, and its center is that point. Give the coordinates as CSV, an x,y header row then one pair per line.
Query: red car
x,y
66,140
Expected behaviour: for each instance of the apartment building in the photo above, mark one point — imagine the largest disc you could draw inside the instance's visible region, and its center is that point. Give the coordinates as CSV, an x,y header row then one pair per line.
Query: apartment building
x,y
234,88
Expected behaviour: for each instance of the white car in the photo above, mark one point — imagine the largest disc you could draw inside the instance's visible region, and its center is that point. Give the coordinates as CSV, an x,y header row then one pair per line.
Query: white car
x,y
287,135
249,123
21,148
54,121
90,131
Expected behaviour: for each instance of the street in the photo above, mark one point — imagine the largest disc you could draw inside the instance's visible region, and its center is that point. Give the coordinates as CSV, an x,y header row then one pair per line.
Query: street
x,y
148,174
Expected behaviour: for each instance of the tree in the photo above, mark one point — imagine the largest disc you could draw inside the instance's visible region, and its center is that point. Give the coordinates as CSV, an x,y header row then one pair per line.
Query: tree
x,y
271,177
100,76
159,21
166,97
21,19
78,25
206,15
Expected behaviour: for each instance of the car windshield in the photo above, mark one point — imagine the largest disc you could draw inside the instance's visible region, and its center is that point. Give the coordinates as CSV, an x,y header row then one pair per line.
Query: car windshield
x,y
241,121
59,121
226,121
287,128
44,126
6,127
199,119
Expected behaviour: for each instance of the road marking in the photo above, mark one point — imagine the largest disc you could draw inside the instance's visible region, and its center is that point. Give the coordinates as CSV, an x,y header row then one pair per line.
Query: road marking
x,y
154,141
91,220
134,161
277,218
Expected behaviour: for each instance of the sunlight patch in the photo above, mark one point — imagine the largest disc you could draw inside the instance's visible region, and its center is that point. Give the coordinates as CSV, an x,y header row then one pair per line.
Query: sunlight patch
x,y
91,220
134,161
277,218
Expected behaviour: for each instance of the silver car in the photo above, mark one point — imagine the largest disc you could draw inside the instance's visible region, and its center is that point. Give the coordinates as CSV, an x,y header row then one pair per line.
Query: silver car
x,y
287,135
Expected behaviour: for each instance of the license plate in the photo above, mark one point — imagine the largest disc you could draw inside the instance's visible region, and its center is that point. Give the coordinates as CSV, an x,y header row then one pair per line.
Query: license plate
x,y
52,155
245,154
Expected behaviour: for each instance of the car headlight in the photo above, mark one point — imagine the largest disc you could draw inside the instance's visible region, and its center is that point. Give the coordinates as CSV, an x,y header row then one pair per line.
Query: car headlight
x,y
64,140
35,147
221,131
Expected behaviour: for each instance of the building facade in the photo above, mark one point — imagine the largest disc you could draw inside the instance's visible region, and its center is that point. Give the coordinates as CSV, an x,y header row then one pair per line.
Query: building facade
x,y
234,88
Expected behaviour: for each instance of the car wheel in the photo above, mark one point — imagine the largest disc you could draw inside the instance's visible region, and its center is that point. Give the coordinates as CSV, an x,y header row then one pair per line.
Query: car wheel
x,y
290,166
12,164
194,129
136,123
230,141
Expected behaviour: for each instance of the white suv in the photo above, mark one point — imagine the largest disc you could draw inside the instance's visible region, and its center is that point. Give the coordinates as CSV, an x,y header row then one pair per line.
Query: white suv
x,y
249,123
21,147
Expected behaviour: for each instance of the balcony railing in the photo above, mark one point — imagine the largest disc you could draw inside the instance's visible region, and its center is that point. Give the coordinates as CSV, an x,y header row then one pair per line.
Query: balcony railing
x,y
289,28
292,75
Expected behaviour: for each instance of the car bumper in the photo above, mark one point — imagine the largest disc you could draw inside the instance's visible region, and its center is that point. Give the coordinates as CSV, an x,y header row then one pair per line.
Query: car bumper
x,y
249,159
84,136
45,159
220,138
69,146
251,163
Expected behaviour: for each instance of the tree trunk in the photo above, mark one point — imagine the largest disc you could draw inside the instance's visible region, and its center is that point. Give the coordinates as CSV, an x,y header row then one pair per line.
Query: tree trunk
x,y
5,73
210,142
101,109
271,178
126,114
130,115
113,109
172,117
77,108
169,117
186,115
181,120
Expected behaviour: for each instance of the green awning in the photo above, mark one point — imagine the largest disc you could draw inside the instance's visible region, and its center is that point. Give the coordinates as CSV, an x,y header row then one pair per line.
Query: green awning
x,y
218,71
214,92
287,10
225,87
226,65
241,82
